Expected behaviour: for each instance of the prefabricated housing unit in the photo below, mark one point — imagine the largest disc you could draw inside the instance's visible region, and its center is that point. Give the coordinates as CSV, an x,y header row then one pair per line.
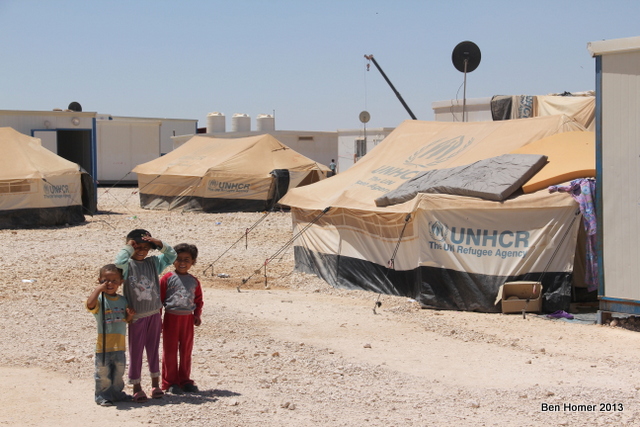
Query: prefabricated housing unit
x,y
475,110
618,172
107,147
353,144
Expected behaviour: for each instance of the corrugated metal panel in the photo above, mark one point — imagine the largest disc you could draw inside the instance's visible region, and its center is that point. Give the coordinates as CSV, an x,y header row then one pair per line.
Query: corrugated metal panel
x,y
620,174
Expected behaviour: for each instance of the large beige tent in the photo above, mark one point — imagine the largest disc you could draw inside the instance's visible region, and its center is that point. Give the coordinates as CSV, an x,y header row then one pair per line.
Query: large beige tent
x,y
37,187
225,175
447,251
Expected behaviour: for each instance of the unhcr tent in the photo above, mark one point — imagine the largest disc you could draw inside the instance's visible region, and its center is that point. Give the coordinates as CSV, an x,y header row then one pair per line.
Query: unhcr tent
x,y
447,251
37,187
225,175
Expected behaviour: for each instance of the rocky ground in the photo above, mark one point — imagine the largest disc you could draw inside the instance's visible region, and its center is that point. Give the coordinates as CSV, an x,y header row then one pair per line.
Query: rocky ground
x,y
296,351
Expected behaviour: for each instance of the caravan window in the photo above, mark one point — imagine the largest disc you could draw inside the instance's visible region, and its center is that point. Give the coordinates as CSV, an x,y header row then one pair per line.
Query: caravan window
x,y
15,186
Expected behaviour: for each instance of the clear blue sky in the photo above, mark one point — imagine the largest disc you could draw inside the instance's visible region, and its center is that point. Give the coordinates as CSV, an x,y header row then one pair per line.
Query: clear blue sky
x,y
302,59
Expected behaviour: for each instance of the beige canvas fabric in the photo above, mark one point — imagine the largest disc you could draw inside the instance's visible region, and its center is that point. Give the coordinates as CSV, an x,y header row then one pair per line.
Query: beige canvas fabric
x,y
24,157
225,168
33,177
418,146
437,233
580,108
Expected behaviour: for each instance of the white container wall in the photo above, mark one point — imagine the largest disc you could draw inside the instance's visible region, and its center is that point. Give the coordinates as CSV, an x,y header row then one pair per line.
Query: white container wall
x,y
123,145
618,174
475,109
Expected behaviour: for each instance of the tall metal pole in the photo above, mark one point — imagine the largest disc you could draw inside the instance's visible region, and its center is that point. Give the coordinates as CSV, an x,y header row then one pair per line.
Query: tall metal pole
x,y
406,107
365,136
464,92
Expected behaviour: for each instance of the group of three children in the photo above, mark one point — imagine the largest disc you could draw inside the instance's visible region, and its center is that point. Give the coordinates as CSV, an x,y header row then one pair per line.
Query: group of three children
x,y
145,296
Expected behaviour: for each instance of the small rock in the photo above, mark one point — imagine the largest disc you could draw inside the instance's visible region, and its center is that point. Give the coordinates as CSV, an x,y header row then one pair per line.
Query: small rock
x,y
528,362
234,402
69,359
275,354
285,405
367,346
473,404
614,322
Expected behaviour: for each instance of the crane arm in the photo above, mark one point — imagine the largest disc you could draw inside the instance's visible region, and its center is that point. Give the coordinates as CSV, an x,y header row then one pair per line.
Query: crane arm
x,y
404,104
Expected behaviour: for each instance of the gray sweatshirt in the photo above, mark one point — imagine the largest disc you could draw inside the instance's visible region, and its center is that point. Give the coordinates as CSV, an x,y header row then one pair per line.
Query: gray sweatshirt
x,y
141,285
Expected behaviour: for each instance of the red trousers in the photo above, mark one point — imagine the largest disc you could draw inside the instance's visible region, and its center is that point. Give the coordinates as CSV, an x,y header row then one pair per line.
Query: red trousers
x,y
177,339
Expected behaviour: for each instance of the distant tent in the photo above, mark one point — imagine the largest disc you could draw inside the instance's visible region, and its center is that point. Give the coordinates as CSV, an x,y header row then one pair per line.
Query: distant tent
x,y
225,175
38,187
447,251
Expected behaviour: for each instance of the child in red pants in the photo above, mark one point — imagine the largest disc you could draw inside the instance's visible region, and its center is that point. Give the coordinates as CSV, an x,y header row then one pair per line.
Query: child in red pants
x,y
181,295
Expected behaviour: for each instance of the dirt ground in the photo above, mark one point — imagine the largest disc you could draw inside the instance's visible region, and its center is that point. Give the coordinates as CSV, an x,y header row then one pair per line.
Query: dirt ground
x,y
293,351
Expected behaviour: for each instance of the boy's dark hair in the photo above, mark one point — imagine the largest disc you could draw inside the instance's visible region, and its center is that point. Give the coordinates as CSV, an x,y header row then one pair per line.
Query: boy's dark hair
x,y
112,268
186,247
138,235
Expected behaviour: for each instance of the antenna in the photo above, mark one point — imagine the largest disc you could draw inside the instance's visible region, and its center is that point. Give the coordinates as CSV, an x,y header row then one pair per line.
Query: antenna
x,y
466,58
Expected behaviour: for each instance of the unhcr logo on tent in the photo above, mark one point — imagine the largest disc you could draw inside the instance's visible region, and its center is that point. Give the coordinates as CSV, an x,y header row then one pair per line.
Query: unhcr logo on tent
x,y
227,187
438,151
56,191
438,231
479,242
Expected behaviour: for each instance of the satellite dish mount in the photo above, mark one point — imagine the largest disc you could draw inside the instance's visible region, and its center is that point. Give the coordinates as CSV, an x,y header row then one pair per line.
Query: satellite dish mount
x,y
466,58
364,117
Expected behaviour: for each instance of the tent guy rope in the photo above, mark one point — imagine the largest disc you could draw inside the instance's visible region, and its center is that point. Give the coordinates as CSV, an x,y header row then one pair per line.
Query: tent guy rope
x,y
391,263
285,247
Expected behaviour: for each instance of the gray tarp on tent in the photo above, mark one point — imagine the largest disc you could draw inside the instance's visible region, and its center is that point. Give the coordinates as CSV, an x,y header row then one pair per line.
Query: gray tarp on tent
x,y
495,178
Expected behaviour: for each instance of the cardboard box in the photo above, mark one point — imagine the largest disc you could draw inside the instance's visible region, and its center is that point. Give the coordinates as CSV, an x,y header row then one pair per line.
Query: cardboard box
x,y
519,296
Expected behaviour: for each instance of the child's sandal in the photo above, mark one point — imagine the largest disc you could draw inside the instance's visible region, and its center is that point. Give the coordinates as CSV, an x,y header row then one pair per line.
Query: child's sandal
x,y
157,393
140,397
